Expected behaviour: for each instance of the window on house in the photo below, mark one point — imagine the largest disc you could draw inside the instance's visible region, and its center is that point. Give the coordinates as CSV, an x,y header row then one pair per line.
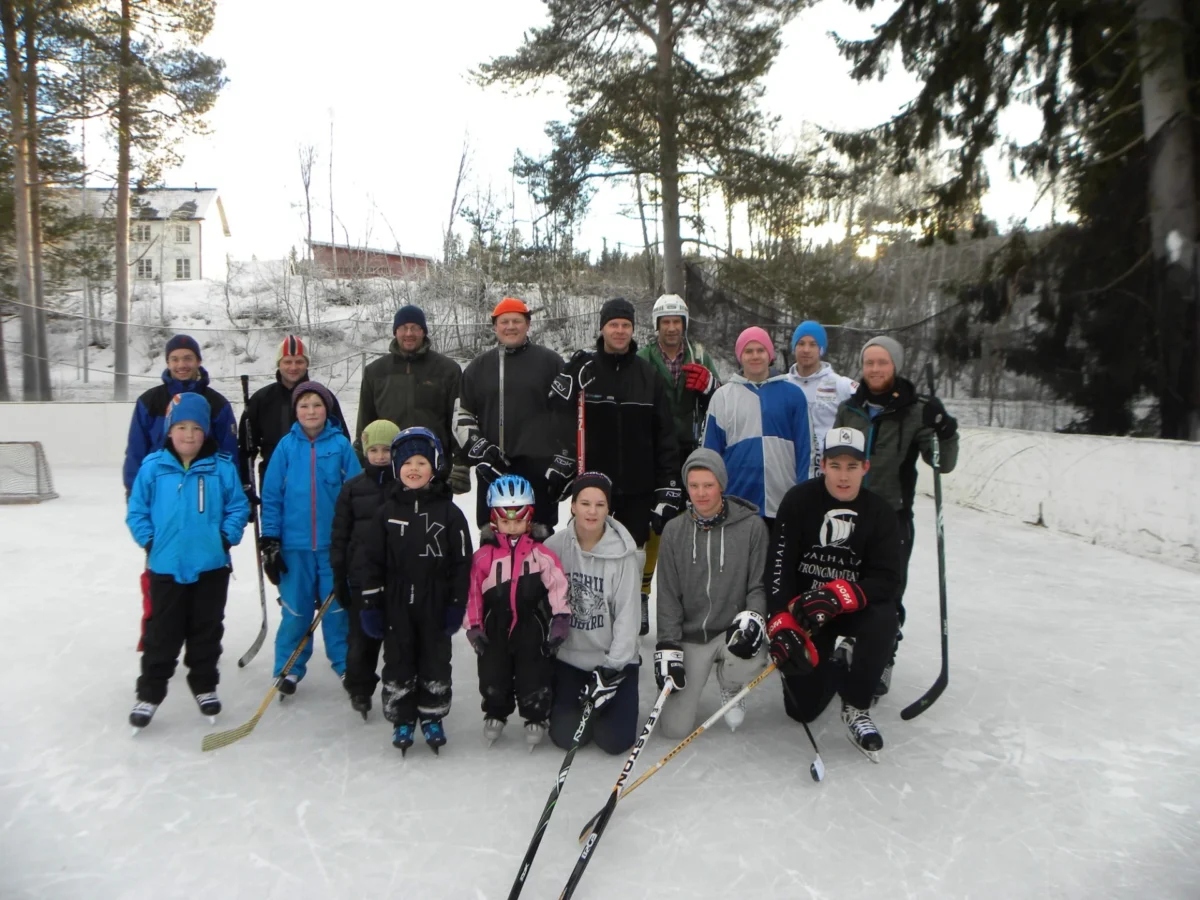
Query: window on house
x,y
145,268
183,234
140,234
183,269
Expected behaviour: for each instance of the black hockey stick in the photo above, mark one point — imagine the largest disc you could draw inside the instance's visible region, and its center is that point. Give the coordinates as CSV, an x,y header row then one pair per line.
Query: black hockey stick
x,y
930,696
585,855
262,590
555,793
817,767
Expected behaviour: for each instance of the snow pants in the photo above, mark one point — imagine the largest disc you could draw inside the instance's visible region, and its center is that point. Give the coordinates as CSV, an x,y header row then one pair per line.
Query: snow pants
x,y
416,662
904,518
302,589
362,655
874,631
191,615
678,718
614,727
515,665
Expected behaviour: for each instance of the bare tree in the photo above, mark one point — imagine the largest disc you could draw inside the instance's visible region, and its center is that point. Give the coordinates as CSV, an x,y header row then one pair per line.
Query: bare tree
x,y
464,165
308,156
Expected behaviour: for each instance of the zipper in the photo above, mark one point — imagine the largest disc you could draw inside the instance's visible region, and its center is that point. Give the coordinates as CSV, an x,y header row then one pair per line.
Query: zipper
x,y
502,355
200,494
312,475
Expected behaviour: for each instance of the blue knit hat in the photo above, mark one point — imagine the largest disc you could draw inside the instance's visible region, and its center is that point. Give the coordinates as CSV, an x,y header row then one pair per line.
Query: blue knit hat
x,y
814,330
189,408
410,315
183,342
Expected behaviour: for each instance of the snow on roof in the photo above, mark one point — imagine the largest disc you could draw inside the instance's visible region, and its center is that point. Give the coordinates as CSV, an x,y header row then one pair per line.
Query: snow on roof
x,y
163,203
350,249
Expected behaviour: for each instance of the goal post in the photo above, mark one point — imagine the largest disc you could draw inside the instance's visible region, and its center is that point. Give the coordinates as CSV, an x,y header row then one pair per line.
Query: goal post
x,y
24,473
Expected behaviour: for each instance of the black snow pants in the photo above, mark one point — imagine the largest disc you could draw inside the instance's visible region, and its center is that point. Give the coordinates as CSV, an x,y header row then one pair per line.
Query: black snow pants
x,y
191,615
416,662
514,663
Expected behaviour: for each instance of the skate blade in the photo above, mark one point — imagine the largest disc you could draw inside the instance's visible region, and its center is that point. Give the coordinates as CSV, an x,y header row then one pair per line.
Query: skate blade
x,y
136,730
364,715
872,755
212,720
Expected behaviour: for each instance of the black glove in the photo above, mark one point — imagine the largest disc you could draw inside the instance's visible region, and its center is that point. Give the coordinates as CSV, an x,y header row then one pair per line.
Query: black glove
x,y
744,636
487,459
478,640
372,623
559,476
577,375
668,665
791,647
453,619
831,599
273,565
460,479
601,686
934,416
341,591
253,499
667,503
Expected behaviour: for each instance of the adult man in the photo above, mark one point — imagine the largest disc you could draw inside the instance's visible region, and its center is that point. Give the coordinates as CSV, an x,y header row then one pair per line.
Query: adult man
x,y
824,389
690,378
629,432
711,601
413,386
836,567
502,420
900,425
270,413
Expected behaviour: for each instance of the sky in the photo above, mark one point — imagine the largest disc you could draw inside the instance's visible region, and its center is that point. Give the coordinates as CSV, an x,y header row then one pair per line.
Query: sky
x,y
389,83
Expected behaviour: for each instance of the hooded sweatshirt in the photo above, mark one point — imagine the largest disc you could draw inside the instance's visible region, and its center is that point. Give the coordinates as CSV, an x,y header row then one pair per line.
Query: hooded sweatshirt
x,y
604,590
708,576
825,390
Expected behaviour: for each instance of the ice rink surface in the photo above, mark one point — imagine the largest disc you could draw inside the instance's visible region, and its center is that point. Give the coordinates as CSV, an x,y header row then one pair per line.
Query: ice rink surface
x,y
1062,762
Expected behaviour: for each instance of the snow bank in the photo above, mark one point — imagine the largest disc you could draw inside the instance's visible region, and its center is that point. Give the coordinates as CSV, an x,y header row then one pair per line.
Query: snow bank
x,y
1092,487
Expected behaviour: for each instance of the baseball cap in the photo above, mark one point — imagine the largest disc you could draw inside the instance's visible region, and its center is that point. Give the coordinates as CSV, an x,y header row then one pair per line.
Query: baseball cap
x,y
845,442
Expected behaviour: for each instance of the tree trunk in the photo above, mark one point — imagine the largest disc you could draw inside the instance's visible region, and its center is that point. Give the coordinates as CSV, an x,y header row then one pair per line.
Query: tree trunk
x,y
124,122
16,107
668,142
35,201
651,280
1167,122
4,394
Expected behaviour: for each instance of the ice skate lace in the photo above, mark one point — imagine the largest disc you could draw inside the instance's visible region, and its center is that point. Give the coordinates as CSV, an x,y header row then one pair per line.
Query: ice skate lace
x,y
858,721
728,694
143,707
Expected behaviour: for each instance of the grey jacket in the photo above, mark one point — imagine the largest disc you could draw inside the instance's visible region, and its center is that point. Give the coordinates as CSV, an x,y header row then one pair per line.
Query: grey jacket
x,y
705,578
605,596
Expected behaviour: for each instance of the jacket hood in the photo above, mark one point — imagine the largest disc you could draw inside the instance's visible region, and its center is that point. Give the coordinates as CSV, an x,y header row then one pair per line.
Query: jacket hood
x,y
615,543
182,387
394,349
739,378
902,394
822,372
331,430
170,456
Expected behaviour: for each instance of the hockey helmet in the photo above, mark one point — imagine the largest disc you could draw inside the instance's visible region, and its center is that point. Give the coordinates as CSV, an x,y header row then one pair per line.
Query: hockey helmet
x,y
414,441
510,497
670,305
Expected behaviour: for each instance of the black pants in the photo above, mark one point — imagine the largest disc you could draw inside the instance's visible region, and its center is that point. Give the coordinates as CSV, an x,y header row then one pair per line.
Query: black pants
x,y
515,664
904,518
183,614
633,511
874,632
362,655
614,727
545,509
416,662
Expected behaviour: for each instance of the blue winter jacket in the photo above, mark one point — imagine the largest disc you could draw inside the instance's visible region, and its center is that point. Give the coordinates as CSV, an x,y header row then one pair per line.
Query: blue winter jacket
x,y
302,484
147,431
186,512
761,432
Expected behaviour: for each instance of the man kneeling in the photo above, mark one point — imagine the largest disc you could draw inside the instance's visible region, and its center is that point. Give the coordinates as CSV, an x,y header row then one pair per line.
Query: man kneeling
x,y
837,566
710,596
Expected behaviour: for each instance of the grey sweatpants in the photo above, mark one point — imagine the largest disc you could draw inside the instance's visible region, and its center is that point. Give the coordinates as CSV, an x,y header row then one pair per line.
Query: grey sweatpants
x,y
679,713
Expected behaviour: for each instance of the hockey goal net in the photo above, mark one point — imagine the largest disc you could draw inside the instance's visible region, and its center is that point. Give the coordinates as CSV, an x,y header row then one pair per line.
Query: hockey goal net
x,y
24,473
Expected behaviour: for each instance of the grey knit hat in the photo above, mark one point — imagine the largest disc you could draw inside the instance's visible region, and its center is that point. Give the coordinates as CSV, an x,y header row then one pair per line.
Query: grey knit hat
x,y
891,345
703,458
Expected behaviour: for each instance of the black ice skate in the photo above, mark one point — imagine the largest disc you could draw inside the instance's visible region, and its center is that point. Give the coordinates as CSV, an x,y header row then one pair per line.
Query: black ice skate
x,y
287,686
435,734
361,704
402,737
141,714
862,731
210,705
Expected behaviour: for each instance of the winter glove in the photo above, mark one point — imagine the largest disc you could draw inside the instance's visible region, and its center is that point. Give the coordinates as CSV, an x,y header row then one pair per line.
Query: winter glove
x,y
341,591
576,376
934,416
668,665
829,600
791,647
600,687
489,462
272,559
744,637
478,640
667,503
559,476
698,378
371,620
560,627
460,479
454,618
254,501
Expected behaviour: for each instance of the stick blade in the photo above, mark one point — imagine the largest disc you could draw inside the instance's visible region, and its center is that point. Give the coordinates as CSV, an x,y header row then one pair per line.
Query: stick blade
x,y
254,648
587,829
219,739
927,700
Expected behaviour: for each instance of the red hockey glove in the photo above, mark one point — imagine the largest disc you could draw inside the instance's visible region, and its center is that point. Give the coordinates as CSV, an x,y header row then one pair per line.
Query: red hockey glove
x,y
827,601
698,378
791,647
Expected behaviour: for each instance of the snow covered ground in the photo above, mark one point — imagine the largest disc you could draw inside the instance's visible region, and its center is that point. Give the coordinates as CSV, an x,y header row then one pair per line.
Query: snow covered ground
x,y
1060,763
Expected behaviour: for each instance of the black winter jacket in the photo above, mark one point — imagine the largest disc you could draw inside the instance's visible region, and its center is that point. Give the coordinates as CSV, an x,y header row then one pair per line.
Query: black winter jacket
x,y
353,516
268,416
526,374
410,390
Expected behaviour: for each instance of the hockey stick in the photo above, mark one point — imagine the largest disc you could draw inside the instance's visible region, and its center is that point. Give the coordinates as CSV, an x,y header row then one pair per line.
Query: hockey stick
x,y
930,696
594,822
605,814
555,793
219,739
817,767
262,590
580,437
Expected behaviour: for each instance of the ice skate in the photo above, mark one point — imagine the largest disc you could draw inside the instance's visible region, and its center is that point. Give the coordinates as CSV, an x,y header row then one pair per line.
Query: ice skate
x,y
435,734
862,731
287,686
492,729
535,733
210,705
402,737
737,713
141,714
361,704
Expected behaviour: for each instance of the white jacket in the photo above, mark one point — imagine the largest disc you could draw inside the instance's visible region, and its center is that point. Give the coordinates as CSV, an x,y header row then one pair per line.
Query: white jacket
x,y
826,391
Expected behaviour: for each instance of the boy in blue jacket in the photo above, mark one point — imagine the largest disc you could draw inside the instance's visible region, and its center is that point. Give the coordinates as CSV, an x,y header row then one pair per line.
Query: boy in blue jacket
x,y
299,492
186,509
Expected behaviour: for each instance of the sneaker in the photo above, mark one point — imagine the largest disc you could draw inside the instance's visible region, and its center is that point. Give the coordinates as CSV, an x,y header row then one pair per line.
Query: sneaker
x,y
535,733
287,684
492,729
862,731
645,629
435,734
209,703
402,737
737,713
141,714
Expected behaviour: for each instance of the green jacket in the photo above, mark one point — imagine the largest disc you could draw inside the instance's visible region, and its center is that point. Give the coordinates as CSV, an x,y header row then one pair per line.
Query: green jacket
x,y
411,389
894,439
688,408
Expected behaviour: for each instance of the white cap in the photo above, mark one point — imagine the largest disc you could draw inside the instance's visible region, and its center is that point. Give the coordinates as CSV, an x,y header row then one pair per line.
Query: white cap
x,y
845,442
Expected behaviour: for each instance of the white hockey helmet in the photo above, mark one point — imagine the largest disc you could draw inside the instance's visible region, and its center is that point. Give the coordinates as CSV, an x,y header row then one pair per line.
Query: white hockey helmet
x,y
670,305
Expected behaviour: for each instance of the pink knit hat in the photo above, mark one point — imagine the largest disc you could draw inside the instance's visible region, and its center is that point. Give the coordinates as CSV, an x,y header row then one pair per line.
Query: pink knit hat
x,y
752,334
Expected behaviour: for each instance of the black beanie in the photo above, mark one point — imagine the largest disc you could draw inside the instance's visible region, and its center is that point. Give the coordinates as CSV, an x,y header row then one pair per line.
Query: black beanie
x,y
616,308
592,480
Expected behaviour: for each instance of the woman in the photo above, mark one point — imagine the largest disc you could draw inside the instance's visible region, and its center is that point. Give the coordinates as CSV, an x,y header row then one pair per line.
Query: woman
x,y
599,659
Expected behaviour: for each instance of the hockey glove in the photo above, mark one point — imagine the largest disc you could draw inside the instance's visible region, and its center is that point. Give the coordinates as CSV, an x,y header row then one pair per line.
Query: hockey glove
x,y
486,456
791,647
559,476
560,627
478,640
744,637
460,479
454,619
934,416
601,686
341,591
668,665
576,376
272,559
698,378
667,503
829,600
371,620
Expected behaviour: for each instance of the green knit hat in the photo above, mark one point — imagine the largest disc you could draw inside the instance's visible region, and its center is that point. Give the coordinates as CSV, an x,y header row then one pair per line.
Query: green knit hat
x,y
381,431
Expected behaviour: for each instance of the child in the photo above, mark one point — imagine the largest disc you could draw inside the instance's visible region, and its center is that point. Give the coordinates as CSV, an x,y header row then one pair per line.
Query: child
x,y
361,496
306,472
186,509
415,568
517,614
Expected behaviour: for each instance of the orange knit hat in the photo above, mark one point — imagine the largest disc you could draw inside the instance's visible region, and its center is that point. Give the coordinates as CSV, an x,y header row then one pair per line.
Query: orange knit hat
x,y
510,305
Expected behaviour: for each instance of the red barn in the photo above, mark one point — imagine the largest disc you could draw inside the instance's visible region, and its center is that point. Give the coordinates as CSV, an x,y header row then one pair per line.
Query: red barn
x,y
364,262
